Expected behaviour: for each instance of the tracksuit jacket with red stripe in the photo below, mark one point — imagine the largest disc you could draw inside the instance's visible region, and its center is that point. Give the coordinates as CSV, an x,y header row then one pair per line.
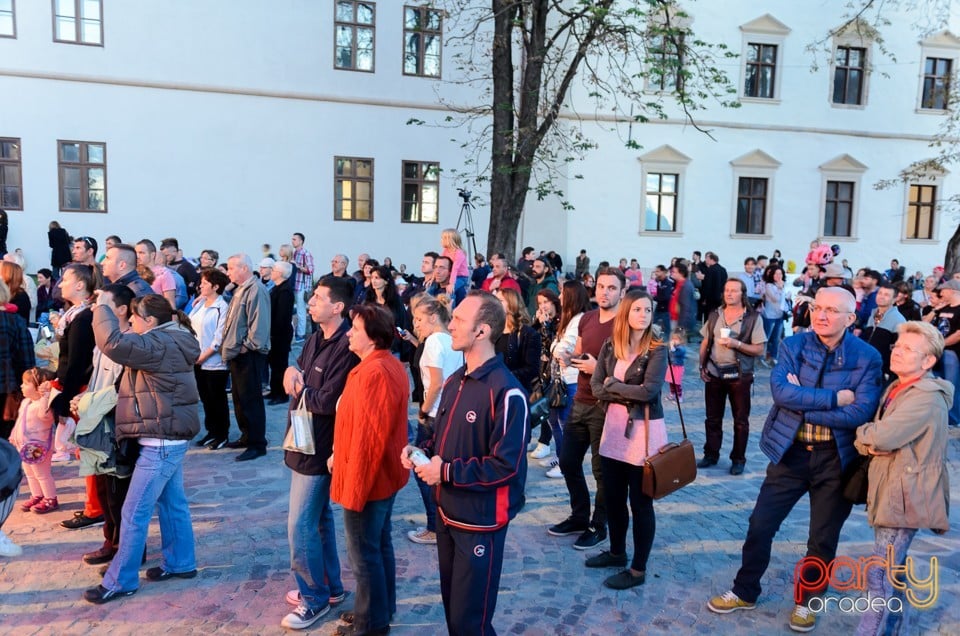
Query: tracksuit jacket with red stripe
x,y
481,434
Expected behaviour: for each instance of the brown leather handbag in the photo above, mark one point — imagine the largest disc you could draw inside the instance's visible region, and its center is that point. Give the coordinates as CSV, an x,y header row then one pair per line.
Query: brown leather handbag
x,y
672,467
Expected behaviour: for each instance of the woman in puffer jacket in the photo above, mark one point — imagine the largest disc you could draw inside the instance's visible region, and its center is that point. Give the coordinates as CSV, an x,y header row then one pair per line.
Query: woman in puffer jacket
x,y
157,405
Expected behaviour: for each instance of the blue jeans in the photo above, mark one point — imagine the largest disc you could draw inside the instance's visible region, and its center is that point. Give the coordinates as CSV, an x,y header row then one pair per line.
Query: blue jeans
x,y
773,328
559,416
370,550
816,472
313,540
878,585
425,433
157,481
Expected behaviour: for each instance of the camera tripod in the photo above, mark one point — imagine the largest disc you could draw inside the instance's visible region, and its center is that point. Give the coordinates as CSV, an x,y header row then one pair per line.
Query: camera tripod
x,y
466,217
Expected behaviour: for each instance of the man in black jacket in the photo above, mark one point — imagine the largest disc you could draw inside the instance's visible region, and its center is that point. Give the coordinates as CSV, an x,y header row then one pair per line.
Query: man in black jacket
x,y
711,285
318,378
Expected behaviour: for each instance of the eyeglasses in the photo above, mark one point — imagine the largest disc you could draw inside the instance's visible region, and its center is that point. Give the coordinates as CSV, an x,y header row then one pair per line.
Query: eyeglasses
x,y
830,311
904,347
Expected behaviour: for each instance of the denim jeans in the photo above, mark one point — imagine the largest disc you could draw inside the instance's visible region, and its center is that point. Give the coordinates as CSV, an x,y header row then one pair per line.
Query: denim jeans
x,y
773,328
427,493
715,393
157,482
879,586
581,431
799,472
951,373
559,417
370,551
313,540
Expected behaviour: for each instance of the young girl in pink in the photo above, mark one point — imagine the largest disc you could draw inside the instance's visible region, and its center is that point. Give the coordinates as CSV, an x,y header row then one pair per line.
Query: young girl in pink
x,y
453,249
35,424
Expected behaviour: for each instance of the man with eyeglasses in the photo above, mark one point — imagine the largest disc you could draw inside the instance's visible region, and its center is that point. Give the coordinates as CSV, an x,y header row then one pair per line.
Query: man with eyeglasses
x,y
826,383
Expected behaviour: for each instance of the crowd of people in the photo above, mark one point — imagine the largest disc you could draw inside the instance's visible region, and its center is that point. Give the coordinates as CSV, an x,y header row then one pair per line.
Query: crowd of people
x,y
593,358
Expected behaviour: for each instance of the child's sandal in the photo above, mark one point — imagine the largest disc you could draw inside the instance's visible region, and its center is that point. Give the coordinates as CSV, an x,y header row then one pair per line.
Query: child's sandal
x,y
31,502
45,506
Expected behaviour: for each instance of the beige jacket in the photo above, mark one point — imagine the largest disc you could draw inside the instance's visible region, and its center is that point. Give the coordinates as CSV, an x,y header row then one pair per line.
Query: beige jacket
x,y
909,488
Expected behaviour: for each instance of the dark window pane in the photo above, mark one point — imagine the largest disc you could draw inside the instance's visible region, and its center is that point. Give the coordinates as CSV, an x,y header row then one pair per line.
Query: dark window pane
x,y
71,198
411,170
832,189
742,215
10,197
846,190
759,187
744,186
830,218
9,150
71,177
70,152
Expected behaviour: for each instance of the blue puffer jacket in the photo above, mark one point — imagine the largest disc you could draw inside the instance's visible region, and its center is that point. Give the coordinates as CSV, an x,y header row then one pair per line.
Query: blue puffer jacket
x,y
853,365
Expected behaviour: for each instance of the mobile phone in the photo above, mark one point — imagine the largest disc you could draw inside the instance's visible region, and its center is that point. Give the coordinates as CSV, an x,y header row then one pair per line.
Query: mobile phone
x,y
402,332
585,356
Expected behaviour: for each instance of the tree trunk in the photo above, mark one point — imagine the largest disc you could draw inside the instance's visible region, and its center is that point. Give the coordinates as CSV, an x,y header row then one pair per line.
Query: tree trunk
x,y
951,260
502,235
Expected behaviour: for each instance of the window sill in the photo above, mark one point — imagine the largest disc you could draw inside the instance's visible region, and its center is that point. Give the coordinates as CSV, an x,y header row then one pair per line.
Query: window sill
x,y
661,234
848,106
931,111
840,239
911,241
755,237
760,100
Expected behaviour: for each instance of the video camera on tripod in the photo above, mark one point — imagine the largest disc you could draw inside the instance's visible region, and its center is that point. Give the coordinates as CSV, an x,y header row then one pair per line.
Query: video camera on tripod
x,y
466,217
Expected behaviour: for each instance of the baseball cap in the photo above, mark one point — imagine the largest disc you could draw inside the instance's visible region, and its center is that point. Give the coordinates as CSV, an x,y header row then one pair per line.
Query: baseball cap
x,y
950,284
267,262
834,271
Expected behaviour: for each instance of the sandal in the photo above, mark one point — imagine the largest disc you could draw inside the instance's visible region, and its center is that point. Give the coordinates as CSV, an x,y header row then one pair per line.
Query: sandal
x,y
49,504
31,502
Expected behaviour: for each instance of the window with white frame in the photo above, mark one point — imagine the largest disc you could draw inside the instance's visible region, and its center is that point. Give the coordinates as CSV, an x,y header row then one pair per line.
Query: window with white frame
x,y
938,65
78,21
921,211
762,59
839,198
663,175
753,181
8,20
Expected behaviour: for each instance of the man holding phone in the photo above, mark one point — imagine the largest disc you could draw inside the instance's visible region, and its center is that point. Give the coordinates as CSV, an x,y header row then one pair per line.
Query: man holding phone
x,y
585,424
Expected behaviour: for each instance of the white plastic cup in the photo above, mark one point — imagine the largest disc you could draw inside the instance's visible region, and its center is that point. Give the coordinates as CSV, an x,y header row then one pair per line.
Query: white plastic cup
x,y
724,332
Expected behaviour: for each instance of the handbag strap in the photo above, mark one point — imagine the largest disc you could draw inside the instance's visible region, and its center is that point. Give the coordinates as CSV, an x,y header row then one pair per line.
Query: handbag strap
x,y
646,428
673,380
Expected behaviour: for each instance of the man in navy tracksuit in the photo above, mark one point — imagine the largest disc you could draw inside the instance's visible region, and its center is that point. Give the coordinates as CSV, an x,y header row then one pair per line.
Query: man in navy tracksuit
x,y
479,469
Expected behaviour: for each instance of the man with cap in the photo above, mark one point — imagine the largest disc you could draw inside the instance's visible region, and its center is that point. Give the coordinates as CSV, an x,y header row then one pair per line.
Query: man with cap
x,y
947,320
266,269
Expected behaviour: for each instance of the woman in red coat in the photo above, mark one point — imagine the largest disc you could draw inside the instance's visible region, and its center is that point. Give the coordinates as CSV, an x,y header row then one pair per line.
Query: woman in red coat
x,y
370,432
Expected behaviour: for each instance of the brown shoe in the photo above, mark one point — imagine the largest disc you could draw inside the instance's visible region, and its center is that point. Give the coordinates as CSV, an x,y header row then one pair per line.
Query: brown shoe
x,y
103,555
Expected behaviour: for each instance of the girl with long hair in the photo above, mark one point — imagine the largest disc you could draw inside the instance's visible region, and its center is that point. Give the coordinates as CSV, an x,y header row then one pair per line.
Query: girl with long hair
x,y
520,343
627,381
383,292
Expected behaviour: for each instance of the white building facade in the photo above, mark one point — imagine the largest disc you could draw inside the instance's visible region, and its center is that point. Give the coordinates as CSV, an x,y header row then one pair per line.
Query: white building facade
x,y
229,124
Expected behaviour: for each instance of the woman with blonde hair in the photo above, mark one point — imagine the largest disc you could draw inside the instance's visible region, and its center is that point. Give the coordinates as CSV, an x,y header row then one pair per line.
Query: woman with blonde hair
x,y
520,343
453,249
627,380
908,487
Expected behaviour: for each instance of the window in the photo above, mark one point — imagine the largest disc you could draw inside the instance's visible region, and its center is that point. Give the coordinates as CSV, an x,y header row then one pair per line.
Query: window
x,y
353,189
838,208
936,83
422,37
78,21
921,206
848,70
83,176
661,202
421,192
751,205
11,184
8,23
353,45
761,70
666,65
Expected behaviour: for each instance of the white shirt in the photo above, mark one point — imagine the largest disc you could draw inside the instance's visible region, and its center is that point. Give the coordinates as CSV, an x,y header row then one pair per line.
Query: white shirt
x,y
438,353
566,344
208,322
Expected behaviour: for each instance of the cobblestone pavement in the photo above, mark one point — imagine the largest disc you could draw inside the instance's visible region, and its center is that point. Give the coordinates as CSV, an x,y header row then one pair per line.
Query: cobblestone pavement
x,y
240,510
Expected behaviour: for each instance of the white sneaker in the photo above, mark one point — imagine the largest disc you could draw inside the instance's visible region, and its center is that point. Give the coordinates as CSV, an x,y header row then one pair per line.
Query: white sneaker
x,y
532,445
541,451
555,472
422,536
7,547
61,457
549,462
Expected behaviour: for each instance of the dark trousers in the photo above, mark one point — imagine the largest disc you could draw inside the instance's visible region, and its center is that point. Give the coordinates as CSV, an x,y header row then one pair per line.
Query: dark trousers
x,y
581,431
715,393
6,426
799,472
212,386
112,492
470,566
623,480
370,550
278,359
245,371
427,493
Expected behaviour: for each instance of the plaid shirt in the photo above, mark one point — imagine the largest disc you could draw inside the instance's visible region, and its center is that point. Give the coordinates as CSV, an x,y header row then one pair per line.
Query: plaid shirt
x,y
303,281
812,434
17,354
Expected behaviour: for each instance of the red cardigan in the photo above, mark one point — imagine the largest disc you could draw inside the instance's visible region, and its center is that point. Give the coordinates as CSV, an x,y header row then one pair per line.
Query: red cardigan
x,y
370,432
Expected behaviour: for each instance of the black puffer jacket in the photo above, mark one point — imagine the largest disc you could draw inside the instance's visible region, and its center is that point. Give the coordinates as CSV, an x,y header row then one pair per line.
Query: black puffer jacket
x,y
158,392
